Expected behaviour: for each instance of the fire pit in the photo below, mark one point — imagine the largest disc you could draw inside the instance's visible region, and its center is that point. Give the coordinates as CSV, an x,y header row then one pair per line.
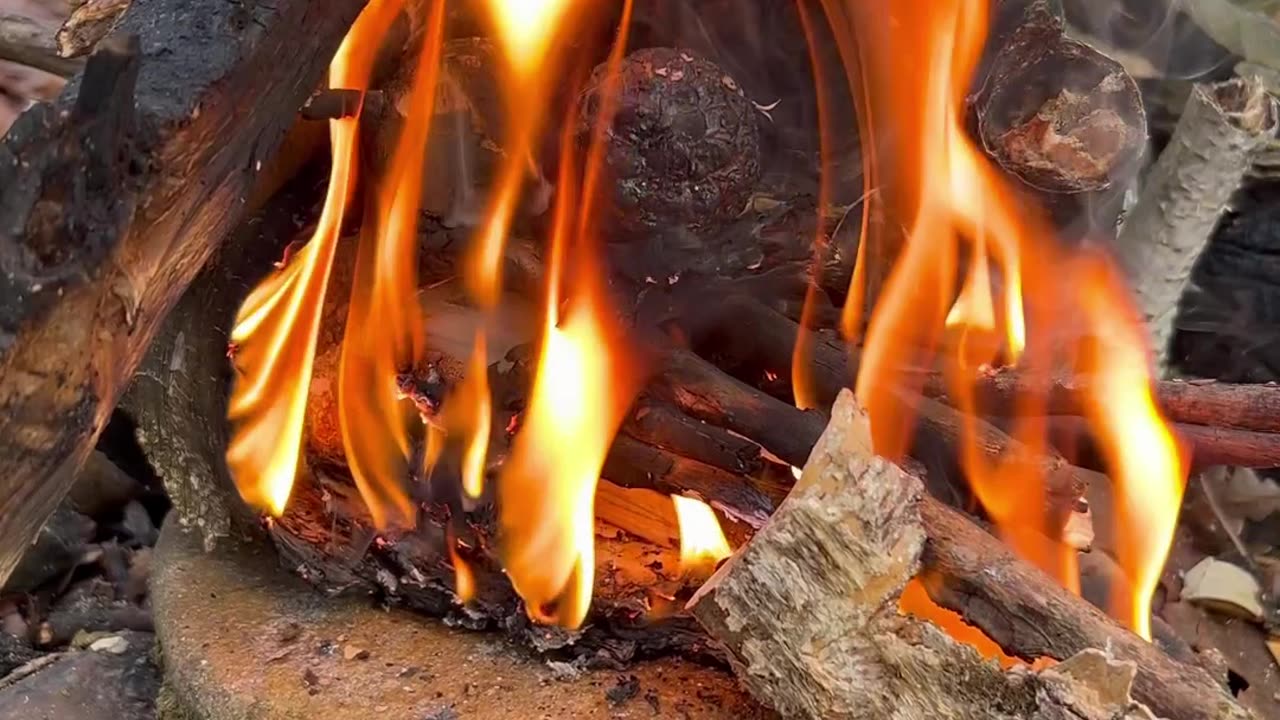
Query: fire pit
x,y
561,352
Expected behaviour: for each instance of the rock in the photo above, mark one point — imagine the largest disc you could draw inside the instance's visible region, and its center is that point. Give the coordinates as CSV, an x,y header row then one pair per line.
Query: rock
x,y
112,644
58,548
14,652
88,686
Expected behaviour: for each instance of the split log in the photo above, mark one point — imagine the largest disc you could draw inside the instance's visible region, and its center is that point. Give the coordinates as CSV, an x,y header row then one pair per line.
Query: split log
x,y
124,190
1186,192
88,24
808,610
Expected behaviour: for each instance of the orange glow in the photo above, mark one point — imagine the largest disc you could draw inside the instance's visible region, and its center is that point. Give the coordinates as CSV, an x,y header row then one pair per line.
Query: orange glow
x,y
965,245
526,28
465,579
276,328
915,601
546,492
384,331
702,542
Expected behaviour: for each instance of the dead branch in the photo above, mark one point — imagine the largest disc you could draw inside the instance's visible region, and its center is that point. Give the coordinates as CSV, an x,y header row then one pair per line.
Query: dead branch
x,y
1186,192
28,41
1191,402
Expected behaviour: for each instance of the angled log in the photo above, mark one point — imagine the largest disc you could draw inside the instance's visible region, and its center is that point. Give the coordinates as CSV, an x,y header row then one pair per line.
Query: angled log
x,y
114,198
808,611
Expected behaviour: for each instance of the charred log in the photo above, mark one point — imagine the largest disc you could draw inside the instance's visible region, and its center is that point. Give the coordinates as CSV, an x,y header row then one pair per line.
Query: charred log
x,y
123,192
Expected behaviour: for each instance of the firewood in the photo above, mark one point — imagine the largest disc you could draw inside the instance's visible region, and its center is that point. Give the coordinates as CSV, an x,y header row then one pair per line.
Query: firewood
x,y
1254,407
121,195
1206,445
1186,192
702,391
634,464
1065,121
808,612
661,425
749,338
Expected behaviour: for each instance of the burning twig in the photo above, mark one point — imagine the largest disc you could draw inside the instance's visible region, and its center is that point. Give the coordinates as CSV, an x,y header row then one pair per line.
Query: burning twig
x,y
1186,192
808,610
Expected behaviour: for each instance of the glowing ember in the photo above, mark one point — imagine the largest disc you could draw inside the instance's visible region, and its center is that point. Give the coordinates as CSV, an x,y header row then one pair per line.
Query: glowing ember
x,y
702,542
916,61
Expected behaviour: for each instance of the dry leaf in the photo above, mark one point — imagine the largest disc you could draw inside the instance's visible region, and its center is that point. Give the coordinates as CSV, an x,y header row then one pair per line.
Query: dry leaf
x,y
1225,588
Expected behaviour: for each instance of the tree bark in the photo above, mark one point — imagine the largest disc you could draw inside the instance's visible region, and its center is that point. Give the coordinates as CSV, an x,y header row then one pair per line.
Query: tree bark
x,y
1186,192
808,610
124,189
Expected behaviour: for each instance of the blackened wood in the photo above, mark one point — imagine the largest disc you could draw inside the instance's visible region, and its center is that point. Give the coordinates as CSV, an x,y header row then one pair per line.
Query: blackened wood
x,y
326,536
661,425
703,391
113,200
634,464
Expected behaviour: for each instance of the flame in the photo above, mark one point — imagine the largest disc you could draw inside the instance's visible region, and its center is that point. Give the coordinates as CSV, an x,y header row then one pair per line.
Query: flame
x,y
275,330
702,542
384,331
527,28
1138,445
546,492
968,246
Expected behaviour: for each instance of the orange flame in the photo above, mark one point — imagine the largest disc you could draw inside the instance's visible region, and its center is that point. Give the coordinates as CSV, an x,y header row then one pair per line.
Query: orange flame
x,y
916,60
276,328
702,542
384,330
546,492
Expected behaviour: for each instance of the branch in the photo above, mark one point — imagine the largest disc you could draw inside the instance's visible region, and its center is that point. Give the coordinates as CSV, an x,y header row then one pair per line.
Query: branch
x,y
1186,192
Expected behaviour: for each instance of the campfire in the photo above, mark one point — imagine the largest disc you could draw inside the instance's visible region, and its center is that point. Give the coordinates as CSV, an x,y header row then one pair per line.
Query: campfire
x,y
559,339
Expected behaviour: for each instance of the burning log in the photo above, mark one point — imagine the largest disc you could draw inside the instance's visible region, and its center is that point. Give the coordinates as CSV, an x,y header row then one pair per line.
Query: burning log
x,y
114,199
759,339
661,425
702,391
1187,191
808,610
